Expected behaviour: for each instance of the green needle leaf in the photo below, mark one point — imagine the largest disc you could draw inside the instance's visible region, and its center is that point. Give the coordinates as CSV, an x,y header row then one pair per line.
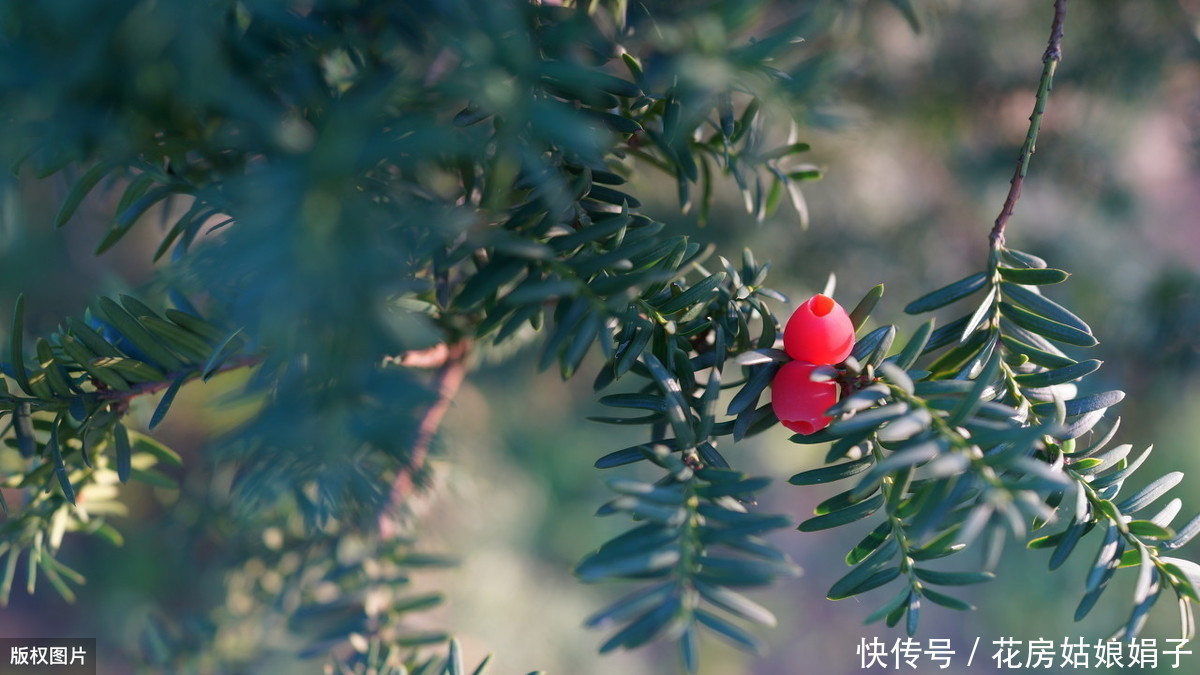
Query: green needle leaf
x,y
454,662
692,295
79,190
843,517
947,294
828,474
861,311
60,469
1033,276
646,627
1043,306
139,335
946,600
165,403
1048,378
952,578
897,601
1147,495
738,637
1145,528
124,452
16,347
1047,327
915,346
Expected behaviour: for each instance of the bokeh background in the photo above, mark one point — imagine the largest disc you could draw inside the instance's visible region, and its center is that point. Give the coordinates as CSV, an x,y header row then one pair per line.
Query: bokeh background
x,y
916,134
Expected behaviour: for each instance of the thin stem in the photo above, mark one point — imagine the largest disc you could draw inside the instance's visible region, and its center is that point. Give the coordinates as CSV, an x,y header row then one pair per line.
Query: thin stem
x,y
445,385
888,487
1049,64
690,547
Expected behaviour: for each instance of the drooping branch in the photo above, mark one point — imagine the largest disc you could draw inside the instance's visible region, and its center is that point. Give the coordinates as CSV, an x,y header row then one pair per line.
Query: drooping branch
x,y
451,363
1049,65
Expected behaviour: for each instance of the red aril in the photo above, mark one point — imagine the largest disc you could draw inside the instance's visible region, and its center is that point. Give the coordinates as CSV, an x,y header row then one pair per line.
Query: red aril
x,y
800,403
819,332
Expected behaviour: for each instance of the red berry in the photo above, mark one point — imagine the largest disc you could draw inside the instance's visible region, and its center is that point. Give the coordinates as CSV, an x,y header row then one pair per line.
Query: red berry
x,y
800,403
819,332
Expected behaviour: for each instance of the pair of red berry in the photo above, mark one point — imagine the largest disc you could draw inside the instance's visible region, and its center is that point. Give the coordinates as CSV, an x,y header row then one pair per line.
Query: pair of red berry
x,y
819,333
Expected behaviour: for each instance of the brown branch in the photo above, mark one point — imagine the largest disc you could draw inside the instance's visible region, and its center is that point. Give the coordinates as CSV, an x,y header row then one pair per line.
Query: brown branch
x,y
451,362
1049,64
433,357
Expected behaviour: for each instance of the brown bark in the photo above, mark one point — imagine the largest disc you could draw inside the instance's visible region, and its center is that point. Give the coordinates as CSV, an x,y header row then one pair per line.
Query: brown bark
x,y
451,363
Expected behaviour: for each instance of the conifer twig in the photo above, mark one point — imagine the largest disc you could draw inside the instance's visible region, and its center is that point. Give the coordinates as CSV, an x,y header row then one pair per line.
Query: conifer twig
x,y
1049,64
144,388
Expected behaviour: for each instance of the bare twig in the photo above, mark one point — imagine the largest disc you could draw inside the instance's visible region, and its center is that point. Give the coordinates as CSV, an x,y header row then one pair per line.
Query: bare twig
x,y
433,357
451,362
1049,64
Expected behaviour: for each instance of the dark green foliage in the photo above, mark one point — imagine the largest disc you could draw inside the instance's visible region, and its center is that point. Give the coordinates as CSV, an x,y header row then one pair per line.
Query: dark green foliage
x,y
366,182
700,538
71,432
333,150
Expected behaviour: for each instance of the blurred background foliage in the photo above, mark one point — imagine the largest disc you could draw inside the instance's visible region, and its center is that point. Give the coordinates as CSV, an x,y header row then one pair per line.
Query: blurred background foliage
x,y
915,132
